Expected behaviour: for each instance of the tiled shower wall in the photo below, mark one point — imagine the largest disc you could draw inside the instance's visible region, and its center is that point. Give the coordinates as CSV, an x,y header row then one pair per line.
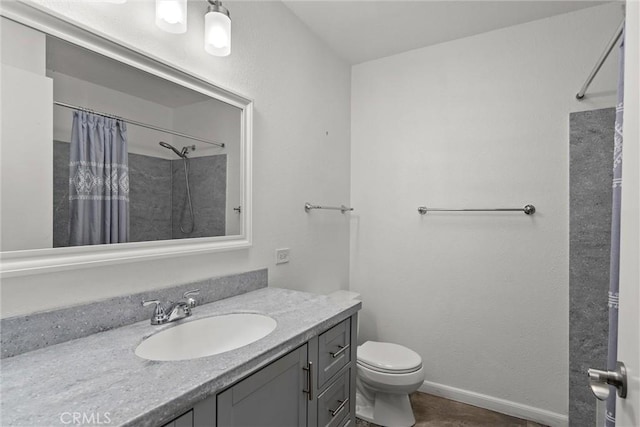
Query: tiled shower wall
x,y
149,198
591,158
156,196
205,174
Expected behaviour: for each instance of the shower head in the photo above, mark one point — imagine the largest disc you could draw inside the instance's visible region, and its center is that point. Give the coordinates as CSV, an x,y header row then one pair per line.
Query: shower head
x,y
172,148
187,149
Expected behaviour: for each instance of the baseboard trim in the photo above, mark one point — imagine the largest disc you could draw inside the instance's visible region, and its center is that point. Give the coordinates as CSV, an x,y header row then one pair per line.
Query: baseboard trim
x,y
503,406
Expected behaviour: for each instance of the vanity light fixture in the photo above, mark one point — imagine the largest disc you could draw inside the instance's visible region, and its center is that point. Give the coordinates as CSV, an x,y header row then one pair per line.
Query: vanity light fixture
x,y
171,15
217,29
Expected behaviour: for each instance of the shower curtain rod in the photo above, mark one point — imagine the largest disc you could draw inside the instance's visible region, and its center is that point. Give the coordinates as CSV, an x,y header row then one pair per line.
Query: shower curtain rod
x,y
144,125
603,57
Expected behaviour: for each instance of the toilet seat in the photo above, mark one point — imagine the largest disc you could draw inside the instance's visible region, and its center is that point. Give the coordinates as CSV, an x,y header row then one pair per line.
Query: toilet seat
x,y
389,371
388,358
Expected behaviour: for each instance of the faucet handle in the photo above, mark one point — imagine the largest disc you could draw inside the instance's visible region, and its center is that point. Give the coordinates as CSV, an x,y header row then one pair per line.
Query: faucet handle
x,y
191,292
187,296
153,301
159,316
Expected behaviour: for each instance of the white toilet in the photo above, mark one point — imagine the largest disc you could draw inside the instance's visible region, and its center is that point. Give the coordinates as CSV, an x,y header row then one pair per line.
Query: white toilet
x,y
387,374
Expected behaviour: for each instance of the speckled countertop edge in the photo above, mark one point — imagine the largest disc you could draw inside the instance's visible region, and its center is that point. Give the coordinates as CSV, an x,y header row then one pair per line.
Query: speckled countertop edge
x,y
101,374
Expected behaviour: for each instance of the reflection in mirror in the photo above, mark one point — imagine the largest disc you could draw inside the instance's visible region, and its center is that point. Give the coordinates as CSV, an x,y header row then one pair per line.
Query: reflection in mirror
x,y
184,183
192,198
176,187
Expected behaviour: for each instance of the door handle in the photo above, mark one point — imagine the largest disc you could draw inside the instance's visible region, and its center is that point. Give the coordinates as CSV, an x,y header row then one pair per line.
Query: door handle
x,y
599,381
309,370
342,404
341,349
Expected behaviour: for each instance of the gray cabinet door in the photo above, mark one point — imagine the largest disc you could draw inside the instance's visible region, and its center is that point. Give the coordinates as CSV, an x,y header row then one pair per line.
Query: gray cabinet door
x,y
272,397
185,420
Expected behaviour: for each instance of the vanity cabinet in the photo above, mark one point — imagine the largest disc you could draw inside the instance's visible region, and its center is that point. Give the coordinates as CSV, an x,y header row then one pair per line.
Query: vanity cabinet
x,y
334,404
334,352
311,386
334,378
184,420
272,397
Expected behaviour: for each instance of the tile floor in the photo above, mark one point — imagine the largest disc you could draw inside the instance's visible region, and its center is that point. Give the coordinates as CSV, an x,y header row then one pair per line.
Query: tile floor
x,y
433,411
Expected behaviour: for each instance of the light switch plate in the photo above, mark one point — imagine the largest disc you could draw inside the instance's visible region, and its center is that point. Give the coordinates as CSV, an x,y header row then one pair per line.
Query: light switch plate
x,y
282,255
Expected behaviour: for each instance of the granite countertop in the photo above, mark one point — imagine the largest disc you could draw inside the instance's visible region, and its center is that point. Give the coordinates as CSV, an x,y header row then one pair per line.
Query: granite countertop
x,y
100,375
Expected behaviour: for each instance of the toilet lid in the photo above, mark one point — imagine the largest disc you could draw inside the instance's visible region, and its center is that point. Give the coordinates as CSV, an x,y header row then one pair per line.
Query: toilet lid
x,y
388,357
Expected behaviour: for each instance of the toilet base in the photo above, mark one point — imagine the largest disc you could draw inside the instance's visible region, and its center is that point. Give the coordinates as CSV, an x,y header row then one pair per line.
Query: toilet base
x,y
385,409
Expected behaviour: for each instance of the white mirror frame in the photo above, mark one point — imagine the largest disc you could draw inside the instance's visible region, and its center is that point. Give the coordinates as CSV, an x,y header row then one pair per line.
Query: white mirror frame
x,y
35,261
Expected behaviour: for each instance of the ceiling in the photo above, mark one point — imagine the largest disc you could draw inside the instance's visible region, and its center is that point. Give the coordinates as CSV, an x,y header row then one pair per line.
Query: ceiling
x,y
363,30
83,64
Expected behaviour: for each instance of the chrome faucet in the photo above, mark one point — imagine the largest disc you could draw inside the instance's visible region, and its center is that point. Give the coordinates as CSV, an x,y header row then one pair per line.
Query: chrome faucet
x,y
175,311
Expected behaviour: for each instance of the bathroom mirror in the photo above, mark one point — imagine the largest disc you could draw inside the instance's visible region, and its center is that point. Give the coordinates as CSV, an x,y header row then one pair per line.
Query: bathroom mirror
x,y
109,155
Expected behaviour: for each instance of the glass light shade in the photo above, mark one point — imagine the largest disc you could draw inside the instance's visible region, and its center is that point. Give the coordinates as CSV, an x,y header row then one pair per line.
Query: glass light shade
x,y
217,33
171,15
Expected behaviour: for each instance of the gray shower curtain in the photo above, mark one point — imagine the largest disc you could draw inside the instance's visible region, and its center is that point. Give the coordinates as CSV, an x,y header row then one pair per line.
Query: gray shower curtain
x,y
98,180
614,271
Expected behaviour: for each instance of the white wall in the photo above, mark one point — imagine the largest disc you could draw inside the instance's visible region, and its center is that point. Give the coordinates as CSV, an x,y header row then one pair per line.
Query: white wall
x,y
22,48
301,92
26,96
477,122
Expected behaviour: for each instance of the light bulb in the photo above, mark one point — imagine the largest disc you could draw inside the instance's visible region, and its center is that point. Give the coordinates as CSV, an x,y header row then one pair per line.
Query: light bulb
x,y
171,15
217,31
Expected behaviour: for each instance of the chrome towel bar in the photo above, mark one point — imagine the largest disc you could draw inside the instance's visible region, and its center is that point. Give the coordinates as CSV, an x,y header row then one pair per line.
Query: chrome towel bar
x,y
527,209
342,208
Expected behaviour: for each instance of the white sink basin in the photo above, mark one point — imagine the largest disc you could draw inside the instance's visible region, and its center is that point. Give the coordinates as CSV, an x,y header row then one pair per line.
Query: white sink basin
x,y
206,337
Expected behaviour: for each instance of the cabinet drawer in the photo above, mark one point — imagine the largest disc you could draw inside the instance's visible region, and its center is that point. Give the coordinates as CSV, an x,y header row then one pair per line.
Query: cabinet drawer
x,y
333,351
333,403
